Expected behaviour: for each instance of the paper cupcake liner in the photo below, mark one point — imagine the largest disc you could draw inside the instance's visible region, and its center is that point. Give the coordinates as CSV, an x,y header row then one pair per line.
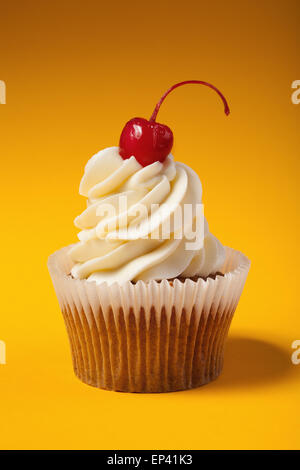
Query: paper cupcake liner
x,y
148,337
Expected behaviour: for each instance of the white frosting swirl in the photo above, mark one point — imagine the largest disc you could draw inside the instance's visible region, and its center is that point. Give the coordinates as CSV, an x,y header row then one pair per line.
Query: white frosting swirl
x,y
118,245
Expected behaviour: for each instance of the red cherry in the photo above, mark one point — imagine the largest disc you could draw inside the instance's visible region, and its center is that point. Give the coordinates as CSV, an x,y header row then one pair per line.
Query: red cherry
x,y
149,141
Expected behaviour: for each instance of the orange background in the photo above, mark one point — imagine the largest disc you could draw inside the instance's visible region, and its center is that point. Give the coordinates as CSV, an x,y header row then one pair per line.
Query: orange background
x,y
75,72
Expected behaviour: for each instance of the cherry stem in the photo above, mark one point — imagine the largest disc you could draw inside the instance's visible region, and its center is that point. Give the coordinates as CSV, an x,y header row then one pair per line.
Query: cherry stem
x,y
199,82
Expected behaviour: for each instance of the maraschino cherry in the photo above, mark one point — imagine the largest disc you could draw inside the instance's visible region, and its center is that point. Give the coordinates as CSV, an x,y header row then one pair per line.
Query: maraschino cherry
x,y
150,141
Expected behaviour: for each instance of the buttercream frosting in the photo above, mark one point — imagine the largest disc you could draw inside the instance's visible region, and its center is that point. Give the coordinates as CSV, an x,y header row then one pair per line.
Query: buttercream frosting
x,y
135,226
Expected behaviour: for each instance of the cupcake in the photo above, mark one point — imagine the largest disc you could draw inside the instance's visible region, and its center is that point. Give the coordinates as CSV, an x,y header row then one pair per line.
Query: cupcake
x,y
148,293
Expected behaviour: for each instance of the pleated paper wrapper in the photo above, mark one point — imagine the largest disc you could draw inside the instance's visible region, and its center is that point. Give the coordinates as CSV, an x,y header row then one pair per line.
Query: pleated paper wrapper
x,y
148,337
